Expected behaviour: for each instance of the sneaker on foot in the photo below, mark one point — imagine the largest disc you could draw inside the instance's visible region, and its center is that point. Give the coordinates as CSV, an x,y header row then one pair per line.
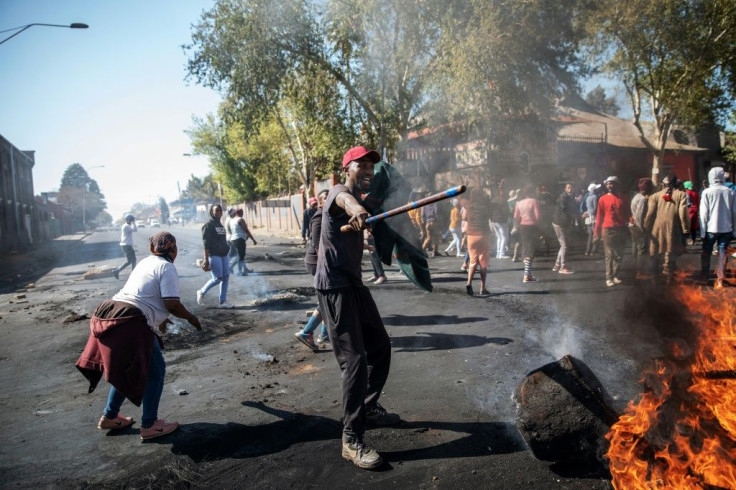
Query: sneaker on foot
x,y
565,270
372,278
225,305
556,268
484,293
361,455
469,289
504,256
529,278
200,298
116,274
718,284
609,283
380,280
376,415
616,280
159,428
118,422
307,339
323,339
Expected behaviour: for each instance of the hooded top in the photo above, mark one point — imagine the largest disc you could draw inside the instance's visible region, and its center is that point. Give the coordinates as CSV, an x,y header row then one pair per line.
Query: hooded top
x,y
716,175
717,205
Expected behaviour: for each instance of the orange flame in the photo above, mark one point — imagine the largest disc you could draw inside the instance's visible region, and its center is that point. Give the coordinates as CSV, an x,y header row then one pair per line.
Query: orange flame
x,y
681,433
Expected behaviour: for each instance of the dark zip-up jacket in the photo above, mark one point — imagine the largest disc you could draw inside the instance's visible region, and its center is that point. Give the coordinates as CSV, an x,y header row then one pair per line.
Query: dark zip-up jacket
x,y
214,238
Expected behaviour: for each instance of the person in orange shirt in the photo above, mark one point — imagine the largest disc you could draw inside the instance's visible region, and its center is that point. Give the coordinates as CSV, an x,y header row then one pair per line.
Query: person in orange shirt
x,y
455,230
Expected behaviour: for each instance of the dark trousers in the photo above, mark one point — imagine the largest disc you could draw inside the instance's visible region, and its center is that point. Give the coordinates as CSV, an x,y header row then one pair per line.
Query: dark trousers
x,y
362,349
129,257
614,242
639,247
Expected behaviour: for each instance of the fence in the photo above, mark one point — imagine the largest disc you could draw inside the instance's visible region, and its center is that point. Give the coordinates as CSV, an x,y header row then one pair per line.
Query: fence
x,y
281,214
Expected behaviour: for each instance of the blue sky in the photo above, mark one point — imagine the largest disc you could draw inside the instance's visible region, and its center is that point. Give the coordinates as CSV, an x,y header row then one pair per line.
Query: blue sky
x,y
111,95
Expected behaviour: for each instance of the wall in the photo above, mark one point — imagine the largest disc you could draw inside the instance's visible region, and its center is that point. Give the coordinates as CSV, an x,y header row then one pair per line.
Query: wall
x,y
18,211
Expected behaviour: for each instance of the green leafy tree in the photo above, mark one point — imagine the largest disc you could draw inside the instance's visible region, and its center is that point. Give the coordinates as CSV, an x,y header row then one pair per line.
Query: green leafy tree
x,y
252,51
505,65
143,211
81,195
597,99
676,59
103,219
202,190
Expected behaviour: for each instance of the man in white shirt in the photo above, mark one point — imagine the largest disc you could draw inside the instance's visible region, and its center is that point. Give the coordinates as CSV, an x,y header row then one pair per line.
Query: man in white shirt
x,y
126,244
717,222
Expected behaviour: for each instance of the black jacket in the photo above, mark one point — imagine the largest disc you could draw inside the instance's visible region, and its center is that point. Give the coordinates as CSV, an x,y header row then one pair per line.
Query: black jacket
x,y
213,237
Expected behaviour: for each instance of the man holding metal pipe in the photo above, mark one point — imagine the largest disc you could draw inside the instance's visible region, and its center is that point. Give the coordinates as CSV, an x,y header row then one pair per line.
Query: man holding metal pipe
x,y
359,339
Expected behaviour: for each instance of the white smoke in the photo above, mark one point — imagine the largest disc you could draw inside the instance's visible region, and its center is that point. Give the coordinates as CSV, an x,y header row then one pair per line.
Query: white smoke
x,y
559,337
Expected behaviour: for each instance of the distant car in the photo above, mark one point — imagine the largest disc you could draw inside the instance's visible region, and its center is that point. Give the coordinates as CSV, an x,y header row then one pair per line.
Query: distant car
x,y
140,223
173,221
155,223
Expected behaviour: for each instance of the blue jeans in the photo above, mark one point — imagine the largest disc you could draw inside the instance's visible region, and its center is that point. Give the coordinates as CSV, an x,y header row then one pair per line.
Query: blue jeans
x,y
220,275
151,395
722,239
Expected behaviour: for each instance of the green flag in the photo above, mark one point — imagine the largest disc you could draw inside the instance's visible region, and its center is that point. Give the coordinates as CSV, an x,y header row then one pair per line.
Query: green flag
x,y
396,237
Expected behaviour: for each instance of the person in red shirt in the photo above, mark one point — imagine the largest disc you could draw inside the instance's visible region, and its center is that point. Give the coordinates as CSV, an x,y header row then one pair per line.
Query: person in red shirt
x,y
612,219
693,205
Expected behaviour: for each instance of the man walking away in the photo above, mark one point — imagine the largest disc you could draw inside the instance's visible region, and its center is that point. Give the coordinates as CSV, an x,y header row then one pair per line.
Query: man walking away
x,y
611,220
562,221
636,229
126,244
667,224
717,223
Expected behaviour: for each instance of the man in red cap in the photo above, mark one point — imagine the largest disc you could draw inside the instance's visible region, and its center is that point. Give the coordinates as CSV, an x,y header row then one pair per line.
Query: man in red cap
x,y
359,339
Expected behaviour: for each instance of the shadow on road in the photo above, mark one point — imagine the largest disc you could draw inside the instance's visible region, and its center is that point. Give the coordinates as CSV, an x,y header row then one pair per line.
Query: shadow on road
x,y
421,320
211,442
424,341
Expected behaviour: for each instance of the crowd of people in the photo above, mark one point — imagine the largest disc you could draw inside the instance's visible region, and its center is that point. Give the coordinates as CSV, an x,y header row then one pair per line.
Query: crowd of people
x,y
656,224
659,223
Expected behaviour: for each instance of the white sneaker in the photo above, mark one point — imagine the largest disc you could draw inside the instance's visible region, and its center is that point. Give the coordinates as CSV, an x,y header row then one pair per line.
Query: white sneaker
x,y
225,305
200,298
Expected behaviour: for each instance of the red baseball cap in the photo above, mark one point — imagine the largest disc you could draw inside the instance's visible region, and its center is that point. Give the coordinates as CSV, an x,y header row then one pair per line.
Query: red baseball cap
x,y
358,152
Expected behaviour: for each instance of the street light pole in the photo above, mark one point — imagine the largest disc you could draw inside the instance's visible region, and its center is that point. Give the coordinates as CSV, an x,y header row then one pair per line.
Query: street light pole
x,y
75,25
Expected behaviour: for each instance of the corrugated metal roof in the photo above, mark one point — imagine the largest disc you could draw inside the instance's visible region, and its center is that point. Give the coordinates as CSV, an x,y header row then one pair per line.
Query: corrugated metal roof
x,y
577,123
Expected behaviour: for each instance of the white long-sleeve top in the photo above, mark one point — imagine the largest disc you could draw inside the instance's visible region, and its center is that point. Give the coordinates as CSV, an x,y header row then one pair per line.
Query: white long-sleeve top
x,y
717,206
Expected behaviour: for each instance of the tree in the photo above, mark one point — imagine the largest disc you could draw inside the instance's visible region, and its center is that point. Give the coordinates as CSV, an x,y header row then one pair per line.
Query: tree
x,y
676,59
201,190
253,50
164,208
504,67
104,219
81,195
378,69
597,99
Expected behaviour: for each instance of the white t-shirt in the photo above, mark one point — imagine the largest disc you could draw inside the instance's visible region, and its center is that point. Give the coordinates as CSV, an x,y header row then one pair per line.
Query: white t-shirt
x,y
152,281
126,234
